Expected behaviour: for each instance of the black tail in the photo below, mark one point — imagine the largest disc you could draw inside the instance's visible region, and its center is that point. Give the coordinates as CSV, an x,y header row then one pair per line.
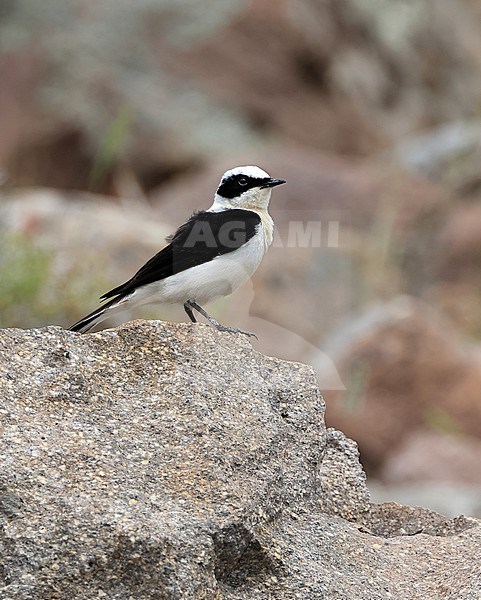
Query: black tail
x,y
94,317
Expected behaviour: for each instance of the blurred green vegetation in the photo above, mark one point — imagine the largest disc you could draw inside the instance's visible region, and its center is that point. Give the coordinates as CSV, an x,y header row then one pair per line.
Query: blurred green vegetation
x,y
35,290
110,147
378,259
440,420
353,400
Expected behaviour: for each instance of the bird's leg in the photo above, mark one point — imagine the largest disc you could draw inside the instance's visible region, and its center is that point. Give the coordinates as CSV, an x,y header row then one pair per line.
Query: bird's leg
x,y
193,304
189,312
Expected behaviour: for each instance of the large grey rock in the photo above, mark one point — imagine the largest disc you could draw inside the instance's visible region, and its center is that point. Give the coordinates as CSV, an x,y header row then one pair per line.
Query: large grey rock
x,y
171,461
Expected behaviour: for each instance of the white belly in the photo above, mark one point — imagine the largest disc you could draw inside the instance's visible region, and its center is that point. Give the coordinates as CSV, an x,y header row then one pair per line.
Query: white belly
x,y
206,282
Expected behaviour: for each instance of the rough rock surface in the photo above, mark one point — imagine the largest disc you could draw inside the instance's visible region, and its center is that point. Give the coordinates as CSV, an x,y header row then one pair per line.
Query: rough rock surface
x,y
170,461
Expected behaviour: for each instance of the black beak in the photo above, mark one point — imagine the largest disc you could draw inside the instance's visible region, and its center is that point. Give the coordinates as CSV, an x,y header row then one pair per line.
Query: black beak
x,y
273,182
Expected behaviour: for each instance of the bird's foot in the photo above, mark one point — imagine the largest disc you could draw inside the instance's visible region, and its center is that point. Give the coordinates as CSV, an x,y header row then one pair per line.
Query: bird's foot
x,y
192,304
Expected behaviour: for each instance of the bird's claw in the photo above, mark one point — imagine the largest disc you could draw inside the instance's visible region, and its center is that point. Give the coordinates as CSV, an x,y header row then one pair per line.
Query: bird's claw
x,y
223,328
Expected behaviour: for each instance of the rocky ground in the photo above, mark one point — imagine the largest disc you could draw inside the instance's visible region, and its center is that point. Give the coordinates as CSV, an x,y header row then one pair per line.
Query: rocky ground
x,y
118,119
171,461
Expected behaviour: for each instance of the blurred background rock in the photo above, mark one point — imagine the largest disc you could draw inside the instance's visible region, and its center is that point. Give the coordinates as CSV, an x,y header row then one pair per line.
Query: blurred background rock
x,y
117,119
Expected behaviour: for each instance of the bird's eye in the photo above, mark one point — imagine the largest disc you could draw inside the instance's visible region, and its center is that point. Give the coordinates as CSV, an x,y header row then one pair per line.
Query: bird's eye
x,y
243,181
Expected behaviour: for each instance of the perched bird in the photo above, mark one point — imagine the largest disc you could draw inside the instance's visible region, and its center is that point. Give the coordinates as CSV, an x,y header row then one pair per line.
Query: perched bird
x,y
208,257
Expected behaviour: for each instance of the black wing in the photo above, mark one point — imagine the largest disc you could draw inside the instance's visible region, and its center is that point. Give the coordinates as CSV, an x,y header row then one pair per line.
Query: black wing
x,y
202,238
